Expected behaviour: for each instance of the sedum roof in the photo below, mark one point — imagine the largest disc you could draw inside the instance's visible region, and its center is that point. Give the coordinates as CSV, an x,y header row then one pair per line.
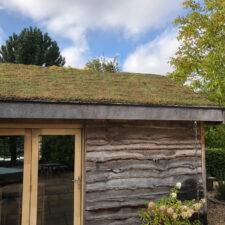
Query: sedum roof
x,y
59,84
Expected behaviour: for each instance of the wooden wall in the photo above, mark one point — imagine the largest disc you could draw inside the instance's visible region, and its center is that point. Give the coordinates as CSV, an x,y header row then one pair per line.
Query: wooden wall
x,y
128,164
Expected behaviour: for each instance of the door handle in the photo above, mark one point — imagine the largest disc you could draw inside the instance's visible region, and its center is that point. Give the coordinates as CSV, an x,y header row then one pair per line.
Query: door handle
x,y
76,179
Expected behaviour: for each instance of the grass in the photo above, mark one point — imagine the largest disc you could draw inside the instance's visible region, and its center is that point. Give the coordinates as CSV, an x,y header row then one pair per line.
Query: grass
x,y
56,84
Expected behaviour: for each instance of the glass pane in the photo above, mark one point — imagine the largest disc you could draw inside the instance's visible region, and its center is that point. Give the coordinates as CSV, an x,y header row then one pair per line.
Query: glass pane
x,y
11,179
55,180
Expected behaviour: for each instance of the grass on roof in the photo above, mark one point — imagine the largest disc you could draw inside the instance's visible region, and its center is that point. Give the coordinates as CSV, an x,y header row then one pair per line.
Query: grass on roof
x,y
56,84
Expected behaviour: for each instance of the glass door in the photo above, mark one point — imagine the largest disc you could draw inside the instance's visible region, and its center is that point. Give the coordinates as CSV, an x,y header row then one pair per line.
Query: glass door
x,y
56,177
15,149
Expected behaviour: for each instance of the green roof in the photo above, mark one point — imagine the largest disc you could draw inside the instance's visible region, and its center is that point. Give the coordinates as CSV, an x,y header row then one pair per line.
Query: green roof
x,y
59,84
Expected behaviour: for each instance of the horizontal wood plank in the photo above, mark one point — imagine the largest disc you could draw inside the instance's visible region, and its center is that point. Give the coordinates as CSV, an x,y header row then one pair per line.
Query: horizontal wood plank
x,y
128,164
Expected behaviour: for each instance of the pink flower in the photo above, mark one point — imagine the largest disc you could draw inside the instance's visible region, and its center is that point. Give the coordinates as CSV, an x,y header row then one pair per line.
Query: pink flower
x,y
162,208
170,211
173,195
151,205
174,216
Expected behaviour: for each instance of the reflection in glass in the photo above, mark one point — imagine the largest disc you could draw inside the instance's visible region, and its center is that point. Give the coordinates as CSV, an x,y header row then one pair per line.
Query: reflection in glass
x,y
11,179
55,185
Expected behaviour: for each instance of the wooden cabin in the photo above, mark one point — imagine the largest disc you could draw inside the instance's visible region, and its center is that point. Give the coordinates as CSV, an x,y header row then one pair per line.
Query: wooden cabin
x,y
81,148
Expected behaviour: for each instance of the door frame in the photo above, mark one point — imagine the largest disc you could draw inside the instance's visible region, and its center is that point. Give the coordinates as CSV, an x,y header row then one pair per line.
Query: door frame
x,y
36,133
31,133
26,133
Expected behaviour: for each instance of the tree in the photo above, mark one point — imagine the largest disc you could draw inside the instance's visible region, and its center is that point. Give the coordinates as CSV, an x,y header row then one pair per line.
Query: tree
x,y
103,64
58,149
31,46
200,59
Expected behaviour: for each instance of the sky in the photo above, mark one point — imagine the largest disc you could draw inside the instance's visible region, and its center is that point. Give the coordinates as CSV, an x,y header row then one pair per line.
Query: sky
x,y
140,33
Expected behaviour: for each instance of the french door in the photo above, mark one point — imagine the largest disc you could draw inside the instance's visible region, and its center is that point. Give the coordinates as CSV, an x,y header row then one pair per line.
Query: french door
x,y
40,176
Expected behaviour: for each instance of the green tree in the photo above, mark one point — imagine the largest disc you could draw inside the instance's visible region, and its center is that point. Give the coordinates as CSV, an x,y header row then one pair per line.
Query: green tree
x,y
103,64
31,46
200,59
58,149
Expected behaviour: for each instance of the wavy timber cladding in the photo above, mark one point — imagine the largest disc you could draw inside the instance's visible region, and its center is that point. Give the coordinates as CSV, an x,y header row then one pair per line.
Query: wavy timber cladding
x,y
129,163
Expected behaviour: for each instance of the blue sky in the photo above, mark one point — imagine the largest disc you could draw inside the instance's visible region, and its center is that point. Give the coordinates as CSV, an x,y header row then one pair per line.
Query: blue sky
x,y
139,32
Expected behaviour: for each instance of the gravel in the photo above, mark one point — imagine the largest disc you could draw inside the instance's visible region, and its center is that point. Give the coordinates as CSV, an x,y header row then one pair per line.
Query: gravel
x,y
216,213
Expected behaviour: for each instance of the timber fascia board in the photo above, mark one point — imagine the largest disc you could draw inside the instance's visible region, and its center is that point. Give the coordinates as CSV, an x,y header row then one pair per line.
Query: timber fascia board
x,y
29,110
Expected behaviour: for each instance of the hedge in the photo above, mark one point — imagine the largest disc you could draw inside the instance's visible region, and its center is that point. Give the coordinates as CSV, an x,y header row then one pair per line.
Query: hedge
x,y
215,162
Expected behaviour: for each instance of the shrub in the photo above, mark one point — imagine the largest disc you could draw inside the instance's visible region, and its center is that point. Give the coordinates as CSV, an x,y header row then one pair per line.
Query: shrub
x,y
215,161
214,136
170,211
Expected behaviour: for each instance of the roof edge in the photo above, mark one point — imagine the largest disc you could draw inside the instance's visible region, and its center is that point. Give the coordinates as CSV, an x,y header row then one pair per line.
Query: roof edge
x,y
105,103
28,110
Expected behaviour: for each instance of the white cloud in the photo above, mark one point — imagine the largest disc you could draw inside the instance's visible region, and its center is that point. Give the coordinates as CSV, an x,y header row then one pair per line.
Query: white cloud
x,y
73,18
73,56
133,16
153,57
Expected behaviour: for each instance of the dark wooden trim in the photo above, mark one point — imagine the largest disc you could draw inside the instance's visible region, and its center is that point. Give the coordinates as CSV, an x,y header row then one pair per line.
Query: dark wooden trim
x,y
109,112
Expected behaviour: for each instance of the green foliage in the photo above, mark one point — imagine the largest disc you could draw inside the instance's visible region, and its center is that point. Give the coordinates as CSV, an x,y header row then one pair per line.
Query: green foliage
x,y
170,211
103,65
61,84
215,136
11,147
215,165
200,58
215,162
58,149
31,47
